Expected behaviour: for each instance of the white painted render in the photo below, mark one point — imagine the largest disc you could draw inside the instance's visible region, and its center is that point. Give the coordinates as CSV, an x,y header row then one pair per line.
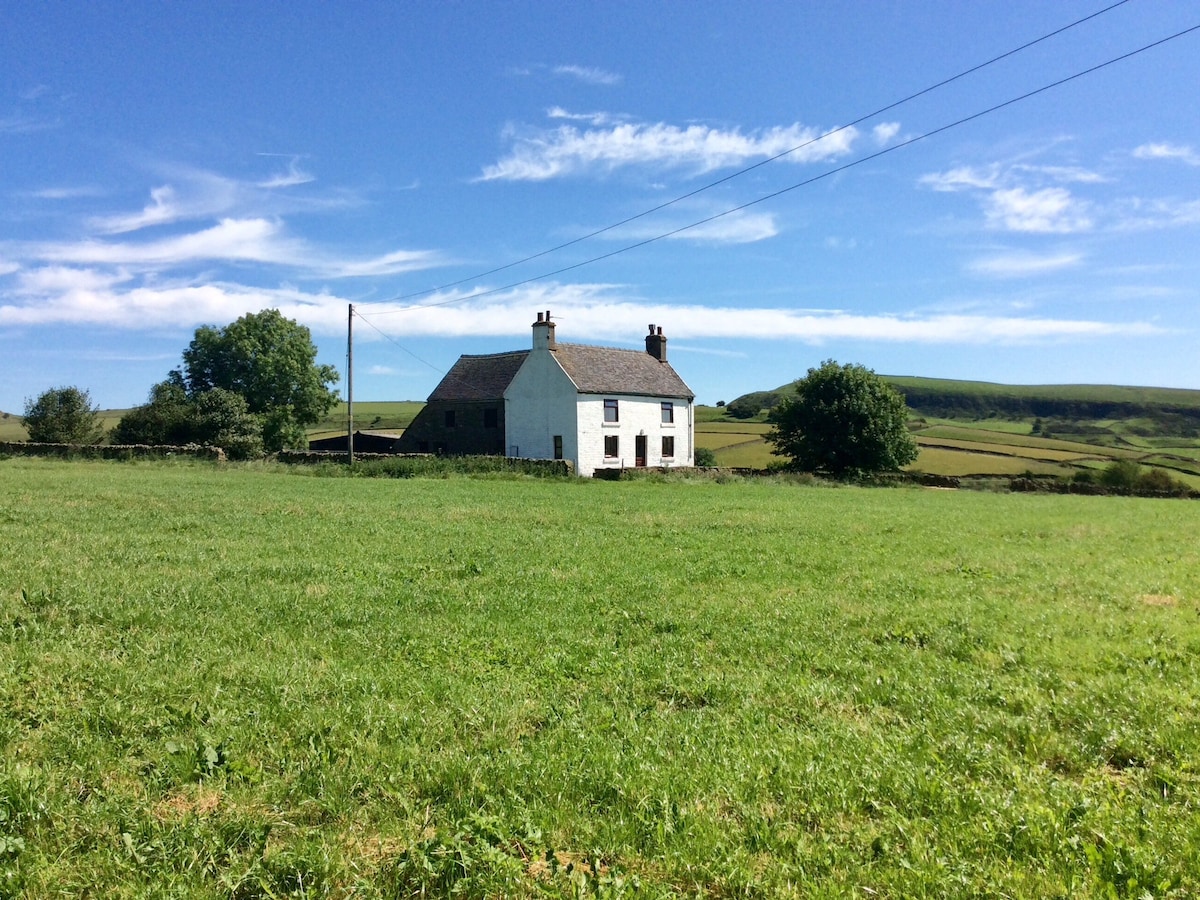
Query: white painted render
x,y
538,404
636,416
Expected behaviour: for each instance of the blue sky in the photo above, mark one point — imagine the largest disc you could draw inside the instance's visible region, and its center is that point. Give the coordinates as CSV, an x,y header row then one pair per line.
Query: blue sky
x,y
164,166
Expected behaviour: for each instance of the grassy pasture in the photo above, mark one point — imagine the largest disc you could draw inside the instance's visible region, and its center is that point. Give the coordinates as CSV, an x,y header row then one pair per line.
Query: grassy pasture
x,y
957,463
1009,439
11,428
1020,450
238,682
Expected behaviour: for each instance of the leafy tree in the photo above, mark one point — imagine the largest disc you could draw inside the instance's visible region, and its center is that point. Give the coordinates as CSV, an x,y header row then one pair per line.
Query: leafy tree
x,y
224,420
1121,475
217,417
271,362
166,418
705,457
843,421
63,415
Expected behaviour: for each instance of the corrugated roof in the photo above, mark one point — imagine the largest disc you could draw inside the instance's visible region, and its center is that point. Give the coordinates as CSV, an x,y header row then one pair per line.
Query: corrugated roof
x,y
608,370
484,377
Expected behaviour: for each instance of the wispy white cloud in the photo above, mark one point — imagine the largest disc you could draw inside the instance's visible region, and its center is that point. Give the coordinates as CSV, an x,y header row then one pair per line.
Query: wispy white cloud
x,y
259,240
161,209
541,154
588,311
1048,211
884,132
66,193
1061,174
191,194
25,124
1168,151
87,297
36,92
739,227
962,178
7,267
600,313
834,242
1148,215
1022,265
588,74
292,177
388,264
597,119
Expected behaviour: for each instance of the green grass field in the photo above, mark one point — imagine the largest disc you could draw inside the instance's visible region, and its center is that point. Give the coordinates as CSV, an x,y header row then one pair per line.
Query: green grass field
x,y
247,682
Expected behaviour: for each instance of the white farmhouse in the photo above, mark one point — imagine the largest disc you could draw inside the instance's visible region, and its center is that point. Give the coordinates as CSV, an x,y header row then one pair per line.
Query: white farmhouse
x,y
599,407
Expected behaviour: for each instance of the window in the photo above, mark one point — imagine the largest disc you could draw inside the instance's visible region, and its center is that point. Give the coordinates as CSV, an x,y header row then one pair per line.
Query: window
x,y
490,418
668,413
668,446
611,445
449,418
558,446
610,411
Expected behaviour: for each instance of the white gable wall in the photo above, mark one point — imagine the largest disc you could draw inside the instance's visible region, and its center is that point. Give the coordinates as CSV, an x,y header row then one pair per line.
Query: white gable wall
x,y
636,415
538,404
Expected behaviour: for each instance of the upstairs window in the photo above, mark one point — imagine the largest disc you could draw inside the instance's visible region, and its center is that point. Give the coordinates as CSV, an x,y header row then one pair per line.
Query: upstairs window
x,y
668,413
611,446
610,411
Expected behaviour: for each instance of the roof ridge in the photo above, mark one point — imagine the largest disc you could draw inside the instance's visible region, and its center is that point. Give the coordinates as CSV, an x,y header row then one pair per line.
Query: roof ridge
x,y
491,355
601,347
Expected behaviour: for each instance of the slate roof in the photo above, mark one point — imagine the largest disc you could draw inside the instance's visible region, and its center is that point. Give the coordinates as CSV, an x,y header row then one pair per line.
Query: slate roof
x,y
594,370
483,377
608,370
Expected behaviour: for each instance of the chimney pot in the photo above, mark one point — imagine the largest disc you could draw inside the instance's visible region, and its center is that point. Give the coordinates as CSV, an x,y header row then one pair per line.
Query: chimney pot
x,y
539,317
656,344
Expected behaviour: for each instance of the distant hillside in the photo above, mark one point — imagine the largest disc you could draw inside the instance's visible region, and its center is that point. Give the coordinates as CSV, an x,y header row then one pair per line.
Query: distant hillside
x,y
980,399
1167,411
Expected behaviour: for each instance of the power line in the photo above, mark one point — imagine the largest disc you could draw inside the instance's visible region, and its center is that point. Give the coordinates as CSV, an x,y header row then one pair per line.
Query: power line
x,y
757,165
842,168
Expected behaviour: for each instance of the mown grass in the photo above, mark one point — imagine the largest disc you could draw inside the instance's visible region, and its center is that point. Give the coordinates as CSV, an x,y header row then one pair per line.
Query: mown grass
x,y
233,682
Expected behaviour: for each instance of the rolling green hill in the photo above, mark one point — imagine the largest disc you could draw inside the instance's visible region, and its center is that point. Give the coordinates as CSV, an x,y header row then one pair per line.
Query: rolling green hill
x,y
982,428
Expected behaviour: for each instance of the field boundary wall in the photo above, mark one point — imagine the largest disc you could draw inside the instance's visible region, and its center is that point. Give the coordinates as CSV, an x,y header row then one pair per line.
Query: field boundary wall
x,y
110,451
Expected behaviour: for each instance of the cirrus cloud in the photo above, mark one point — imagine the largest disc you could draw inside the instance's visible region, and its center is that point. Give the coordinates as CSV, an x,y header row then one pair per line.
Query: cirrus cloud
x,y
542,154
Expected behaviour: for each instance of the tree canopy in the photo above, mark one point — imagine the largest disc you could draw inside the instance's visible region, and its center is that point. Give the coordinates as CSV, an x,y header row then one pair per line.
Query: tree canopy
x,y
843,420
248,387
217,417
270,361
63,415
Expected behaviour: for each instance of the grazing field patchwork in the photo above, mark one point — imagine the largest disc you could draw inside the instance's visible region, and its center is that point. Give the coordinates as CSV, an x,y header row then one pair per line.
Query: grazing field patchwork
x,y
244,682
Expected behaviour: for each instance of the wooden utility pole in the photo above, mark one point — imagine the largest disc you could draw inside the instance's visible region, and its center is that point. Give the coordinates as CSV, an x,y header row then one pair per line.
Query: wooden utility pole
x,y
350,388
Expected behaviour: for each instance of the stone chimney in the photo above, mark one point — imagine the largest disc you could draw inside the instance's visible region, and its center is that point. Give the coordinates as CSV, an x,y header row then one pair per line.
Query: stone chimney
x,y
656,344
543,332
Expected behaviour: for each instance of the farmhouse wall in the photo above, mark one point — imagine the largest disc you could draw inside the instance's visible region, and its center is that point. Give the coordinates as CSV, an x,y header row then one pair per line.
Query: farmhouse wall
x,y
456,428
636,416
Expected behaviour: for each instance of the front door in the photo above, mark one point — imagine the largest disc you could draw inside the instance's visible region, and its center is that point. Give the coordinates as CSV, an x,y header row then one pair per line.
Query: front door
x,y
639,449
